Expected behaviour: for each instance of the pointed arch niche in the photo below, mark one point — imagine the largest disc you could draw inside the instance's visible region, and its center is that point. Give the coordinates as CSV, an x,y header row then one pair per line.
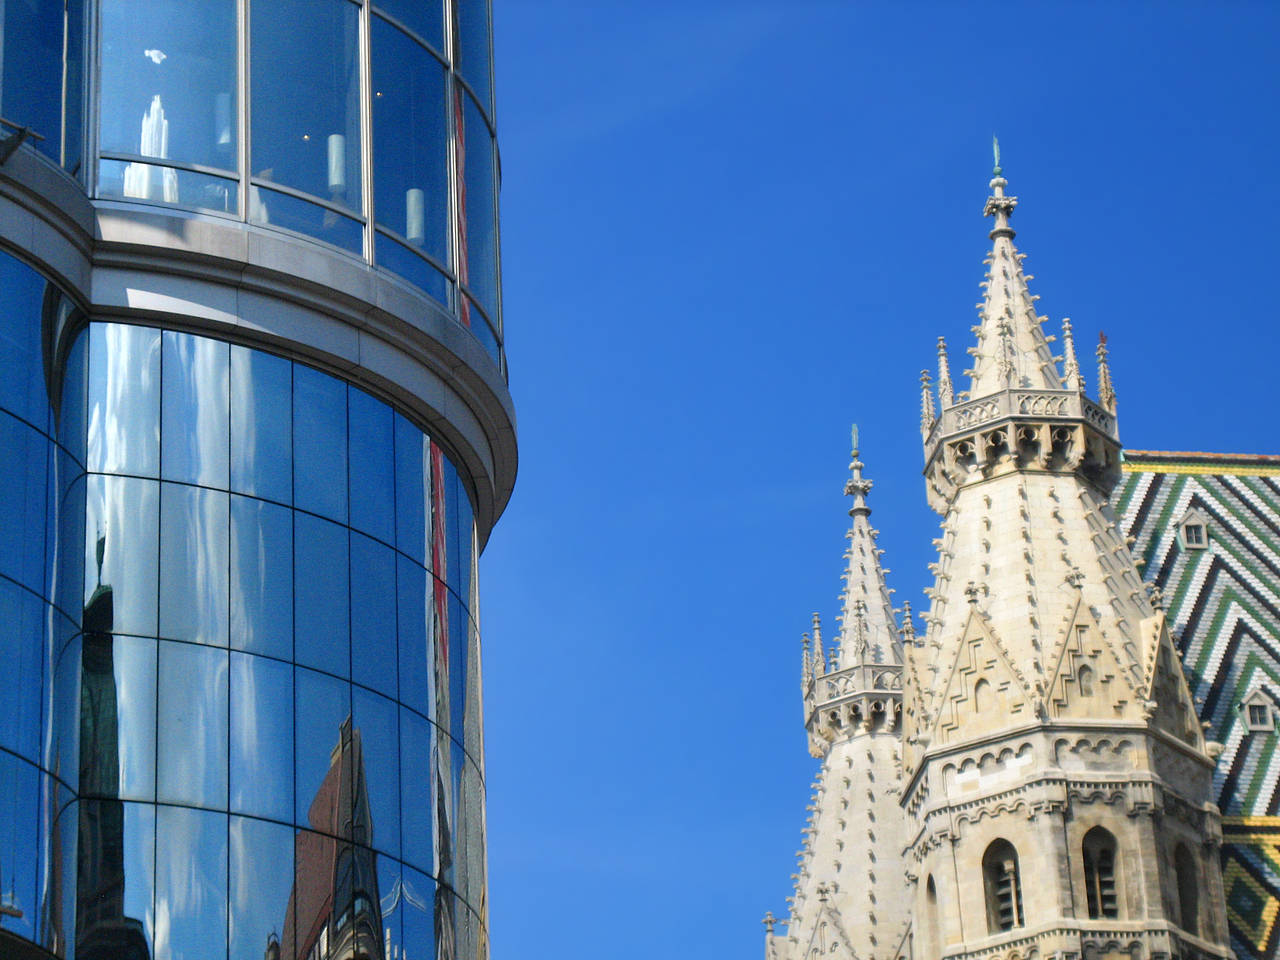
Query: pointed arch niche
x,y
1003,884
1098,851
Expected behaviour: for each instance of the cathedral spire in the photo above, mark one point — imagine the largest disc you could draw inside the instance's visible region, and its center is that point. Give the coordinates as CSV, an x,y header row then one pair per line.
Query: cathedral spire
x,y
1012,350
868,631
1071,377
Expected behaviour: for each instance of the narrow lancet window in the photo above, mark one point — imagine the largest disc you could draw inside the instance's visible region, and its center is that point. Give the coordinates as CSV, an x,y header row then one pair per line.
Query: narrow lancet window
x,y
1099,854
1003,887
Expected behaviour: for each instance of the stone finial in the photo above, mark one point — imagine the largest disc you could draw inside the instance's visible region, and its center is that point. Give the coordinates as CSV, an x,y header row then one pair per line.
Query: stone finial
x,y
908,625
945,394
806,661
928,416
769,922
1106,392
857,486
1071,378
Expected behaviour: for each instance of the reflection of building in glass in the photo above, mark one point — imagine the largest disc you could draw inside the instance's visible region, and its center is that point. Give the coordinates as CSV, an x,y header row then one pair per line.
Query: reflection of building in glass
x,y
249,467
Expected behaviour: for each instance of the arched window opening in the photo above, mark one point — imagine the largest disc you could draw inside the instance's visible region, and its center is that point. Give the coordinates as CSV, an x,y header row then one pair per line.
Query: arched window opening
x,y
1099,849
1184,868
1004,887
1086,682
981,696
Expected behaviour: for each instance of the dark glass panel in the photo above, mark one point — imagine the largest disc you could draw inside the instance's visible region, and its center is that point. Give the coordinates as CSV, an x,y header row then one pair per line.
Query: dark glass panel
x,y
320,443
192,725
321,595
194,593
262,737
410,141
273,208
194,444
124,399
260,889
376,820
413,481
114,880
477,205
191,884
73,91
121,551
24,489
72,410
22,619
428,917
117,716
306,97
423,675
157,183
466,547
373,615
22,291
459,643
261,577
31,78
423,17
471,33
399,259
372,466
261,424
419,809
458,569
67,563
169,80
322,716
19,845
62,742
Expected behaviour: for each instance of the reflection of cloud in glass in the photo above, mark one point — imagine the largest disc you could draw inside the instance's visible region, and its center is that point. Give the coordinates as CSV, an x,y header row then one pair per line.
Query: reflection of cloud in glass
x,y
155,56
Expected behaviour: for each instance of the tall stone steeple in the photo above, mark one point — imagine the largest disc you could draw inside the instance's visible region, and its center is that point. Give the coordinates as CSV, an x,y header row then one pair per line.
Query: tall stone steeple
x,y
1056,780
848,898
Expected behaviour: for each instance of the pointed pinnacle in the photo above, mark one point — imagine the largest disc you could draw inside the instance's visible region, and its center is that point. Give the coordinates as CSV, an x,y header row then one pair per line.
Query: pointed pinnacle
x,y
1106,392
945,397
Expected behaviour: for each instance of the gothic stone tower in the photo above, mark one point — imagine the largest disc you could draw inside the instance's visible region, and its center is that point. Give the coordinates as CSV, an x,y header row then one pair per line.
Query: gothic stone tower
x,y
848,899
1056,782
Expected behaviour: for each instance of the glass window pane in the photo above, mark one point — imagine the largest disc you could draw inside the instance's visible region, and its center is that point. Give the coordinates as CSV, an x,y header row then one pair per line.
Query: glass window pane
x,y
306,97
477,211
410,141
376,820
273,208
412,483
194,446
425,907
321,595
473,729
422,675
117,717
192,724
261,577
260,889
24,488
400,260
31,81
262,738
169,80
21,651
372,475
320,443
72,424
471,880
191,884
121,551
124,399
62,744
19,844
473,319
373,615
22,390
471,30
391,906
73,91
323,729
194,593
261,424
423,17
157,183
459,641
419,791
116,900
67,563
454,497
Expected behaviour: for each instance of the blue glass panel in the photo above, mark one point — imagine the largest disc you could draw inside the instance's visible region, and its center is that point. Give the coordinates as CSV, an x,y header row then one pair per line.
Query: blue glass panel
x,y
62,744
391,905
116,887
273,208
474,320
377,815
262,737
422,674
373,614
459,642
423,17
21,652
118,717
261,424
306,97
471,33
320,443
158,183
259,888
261,577
60,896
372,470
321,595
412,484
194,445
410,141
192,725
323,732
472,733
457,571
31,81
191,884
72,422
67,562
19,845
418,790
124,399
194,593
477,205
22,391
24,489
121,551
169,80
399,259
73,91
428,910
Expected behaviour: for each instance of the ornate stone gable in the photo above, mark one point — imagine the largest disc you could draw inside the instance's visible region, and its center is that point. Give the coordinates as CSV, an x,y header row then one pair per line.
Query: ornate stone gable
x,y
985,691
1087,674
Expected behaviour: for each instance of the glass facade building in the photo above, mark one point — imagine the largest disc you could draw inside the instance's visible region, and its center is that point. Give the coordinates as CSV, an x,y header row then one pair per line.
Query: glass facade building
x,y
255,431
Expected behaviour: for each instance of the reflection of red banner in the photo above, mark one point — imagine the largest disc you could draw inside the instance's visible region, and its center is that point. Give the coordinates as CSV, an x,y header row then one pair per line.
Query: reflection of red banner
x,y
460,213
440,553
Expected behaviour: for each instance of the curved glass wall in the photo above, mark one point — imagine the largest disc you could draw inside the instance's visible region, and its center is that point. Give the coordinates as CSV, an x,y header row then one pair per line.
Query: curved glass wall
x,y
372,132
272,658
42,76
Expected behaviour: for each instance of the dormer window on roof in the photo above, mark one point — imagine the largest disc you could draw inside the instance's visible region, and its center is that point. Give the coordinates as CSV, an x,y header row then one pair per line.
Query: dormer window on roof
x,y
1193,531
1259,710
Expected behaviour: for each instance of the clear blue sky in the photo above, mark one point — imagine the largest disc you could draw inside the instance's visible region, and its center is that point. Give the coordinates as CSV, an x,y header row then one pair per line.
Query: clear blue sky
x,y
729,230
